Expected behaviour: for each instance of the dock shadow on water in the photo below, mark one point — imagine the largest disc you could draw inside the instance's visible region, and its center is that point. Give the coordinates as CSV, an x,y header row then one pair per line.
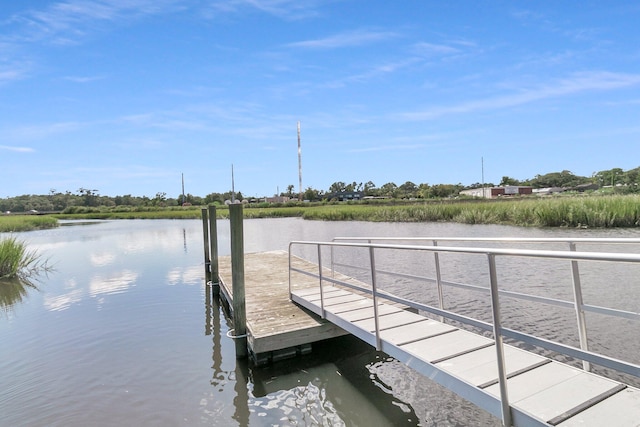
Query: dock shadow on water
x,y
335,385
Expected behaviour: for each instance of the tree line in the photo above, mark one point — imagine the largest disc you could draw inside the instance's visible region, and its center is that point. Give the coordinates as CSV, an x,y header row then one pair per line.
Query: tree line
x,y
55,201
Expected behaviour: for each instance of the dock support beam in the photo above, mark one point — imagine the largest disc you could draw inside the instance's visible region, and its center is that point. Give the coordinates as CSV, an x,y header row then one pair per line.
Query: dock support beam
x,y
213,251
207,239
237,279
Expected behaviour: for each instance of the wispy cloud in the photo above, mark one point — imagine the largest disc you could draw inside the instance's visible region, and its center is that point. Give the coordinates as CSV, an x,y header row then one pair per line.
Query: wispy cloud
x,y
430,49
83,79
17,149
40,131
348,39
66,22
575,84
284,9
375,72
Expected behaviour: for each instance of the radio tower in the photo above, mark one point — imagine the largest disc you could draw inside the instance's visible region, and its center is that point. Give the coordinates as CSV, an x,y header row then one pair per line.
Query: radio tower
x,y
299,166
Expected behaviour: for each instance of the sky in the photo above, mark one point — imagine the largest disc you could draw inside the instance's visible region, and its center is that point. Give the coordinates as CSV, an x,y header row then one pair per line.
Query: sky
x,y
126,96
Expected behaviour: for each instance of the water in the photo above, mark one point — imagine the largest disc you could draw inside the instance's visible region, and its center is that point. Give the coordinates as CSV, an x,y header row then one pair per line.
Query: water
x,y
124,332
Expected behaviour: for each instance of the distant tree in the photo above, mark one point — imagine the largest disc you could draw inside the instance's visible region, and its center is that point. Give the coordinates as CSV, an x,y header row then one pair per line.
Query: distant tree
x,y
337,187
564,179
388,190
89,197
290,189
407,190
312,194
506,180
369,188
160,199
443,191
424,191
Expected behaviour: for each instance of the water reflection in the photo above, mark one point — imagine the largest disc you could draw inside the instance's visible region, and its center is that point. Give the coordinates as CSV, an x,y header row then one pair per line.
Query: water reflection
x,y
185,275
102,259
13,291
112,284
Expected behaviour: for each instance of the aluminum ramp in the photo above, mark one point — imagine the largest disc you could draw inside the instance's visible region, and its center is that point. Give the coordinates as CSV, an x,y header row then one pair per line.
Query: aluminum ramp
x,y
541,391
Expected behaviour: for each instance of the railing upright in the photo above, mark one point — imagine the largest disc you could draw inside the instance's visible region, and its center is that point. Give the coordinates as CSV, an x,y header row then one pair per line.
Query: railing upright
x,y
579,307
439,280
497,332
324,314
374,291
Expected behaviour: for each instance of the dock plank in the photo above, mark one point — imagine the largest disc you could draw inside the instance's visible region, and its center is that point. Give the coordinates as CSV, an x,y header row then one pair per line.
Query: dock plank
x,y
273,321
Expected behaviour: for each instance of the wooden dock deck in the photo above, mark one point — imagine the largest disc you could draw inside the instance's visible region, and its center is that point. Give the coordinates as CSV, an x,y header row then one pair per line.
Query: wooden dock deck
x,y
276,327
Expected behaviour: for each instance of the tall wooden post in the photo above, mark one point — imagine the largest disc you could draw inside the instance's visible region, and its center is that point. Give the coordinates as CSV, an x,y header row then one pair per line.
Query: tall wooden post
x,y
237,279
207,259
213,251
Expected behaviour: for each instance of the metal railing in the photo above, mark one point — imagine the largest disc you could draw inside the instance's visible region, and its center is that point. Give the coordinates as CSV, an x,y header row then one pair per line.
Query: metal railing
x,y
577,304
495,326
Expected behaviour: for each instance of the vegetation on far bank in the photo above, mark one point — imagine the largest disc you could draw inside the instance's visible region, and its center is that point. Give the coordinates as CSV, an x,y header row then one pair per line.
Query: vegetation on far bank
x,y
595,211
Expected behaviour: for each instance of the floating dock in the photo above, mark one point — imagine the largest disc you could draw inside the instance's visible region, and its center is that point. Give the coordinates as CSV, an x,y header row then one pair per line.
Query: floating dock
x,y
277,328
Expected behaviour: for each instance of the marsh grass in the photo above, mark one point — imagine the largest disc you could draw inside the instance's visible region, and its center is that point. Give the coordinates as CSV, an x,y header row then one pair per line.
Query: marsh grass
x,y
14,223
579,211
16,261
568,211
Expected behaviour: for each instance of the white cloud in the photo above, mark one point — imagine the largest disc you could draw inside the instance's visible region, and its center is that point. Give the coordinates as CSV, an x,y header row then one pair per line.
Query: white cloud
x,y
348,39
17,149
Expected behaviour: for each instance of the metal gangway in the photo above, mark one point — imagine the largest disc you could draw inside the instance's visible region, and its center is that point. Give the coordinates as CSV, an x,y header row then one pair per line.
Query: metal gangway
x,y
468,354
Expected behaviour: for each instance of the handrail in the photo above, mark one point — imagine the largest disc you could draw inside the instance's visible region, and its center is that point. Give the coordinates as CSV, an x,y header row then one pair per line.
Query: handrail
x,y
499,332
579,306
594,240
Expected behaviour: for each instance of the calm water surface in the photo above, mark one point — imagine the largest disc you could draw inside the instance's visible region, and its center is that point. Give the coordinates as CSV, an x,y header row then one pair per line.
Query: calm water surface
x,y
124,332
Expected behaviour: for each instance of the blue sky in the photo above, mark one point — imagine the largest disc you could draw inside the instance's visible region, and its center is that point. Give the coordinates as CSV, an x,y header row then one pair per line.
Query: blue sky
x,y
122,96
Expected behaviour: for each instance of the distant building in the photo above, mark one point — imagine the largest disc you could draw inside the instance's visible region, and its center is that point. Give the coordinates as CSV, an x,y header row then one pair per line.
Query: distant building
x,y
277,199
493,192
344,196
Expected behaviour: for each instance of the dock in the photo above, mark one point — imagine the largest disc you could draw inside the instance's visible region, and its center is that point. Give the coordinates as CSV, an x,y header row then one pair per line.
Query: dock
x,y
277,328
286,304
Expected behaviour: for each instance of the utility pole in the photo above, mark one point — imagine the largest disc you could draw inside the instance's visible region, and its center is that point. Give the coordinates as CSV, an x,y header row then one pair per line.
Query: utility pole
x,y
233,190
299,166
482,162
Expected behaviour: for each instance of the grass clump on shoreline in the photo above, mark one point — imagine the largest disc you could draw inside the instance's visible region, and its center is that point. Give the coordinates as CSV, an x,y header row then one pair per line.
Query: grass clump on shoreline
x,y
15,223
18,262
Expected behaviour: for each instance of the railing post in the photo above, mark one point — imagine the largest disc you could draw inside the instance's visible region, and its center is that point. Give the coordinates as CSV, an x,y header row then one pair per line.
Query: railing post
x,y
497,332
579,307
324,315
213,250
375,298
206,238
237,279
439,280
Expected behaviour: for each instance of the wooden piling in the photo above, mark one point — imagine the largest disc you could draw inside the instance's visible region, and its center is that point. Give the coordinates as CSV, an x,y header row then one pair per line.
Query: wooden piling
x,y
213,251
237,279
207,259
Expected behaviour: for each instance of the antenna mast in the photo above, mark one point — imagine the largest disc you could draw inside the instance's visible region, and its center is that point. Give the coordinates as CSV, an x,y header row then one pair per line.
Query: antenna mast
x,y
299,166
183,199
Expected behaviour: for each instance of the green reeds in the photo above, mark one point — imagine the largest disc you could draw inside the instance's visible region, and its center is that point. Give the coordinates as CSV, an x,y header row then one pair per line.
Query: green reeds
x,y
16,261
14,223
